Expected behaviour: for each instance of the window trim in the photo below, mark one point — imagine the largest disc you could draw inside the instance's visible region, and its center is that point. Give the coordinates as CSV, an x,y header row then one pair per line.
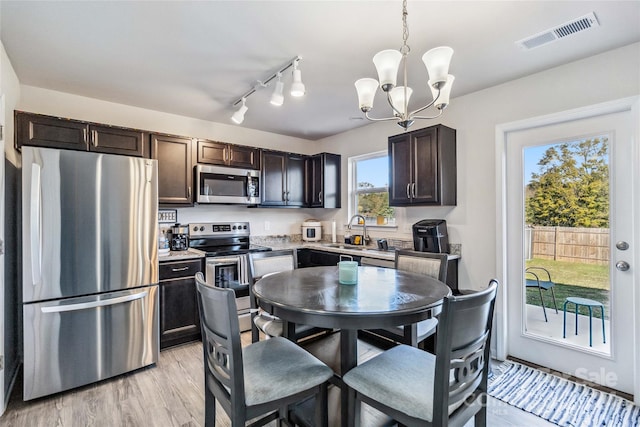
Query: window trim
x,y
353,186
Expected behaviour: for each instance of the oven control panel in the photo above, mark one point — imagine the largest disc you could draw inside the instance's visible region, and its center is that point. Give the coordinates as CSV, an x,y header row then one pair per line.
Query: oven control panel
x,y
221,229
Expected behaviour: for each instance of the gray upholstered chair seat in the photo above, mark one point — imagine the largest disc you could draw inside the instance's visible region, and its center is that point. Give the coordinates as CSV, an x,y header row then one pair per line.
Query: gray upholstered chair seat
x,y
277,368
406,386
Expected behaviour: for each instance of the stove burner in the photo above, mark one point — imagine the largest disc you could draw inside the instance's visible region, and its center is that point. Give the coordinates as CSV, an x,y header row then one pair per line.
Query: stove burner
x,y
222,239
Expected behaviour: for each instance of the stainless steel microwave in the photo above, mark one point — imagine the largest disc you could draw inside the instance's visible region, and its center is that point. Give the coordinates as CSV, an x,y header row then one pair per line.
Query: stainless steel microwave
x,y
219,184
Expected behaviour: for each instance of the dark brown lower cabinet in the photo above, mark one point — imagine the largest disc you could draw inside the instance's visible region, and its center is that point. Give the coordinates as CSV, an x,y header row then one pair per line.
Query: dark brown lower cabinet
x,y
179,318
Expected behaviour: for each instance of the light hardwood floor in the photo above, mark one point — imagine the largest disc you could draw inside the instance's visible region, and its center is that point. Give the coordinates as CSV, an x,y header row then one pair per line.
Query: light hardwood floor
x,y
171,394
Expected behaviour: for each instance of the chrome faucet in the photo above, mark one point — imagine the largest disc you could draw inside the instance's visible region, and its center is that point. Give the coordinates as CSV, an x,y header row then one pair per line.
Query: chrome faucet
x,y
365,237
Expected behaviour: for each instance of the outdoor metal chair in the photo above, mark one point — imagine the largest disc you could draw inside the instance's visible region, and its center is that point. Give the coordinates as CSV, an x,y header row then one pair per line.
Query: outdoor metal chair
x,y
535,280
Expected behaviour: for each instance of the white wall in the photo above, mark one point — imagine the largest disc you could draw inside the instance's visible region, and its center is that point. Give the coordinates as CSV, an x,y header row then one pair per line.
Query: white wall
x,y
611,75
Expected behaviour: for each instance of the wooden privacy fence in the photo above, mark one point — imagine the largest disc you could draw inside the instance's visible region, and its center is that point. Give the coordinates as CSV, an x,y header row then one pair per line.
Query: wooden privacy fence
x,y
584,245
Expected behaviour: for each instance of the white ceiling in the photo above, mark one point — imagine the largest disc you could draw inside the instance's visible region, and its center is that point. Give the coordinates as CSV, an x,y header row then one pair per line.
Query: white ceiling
x,y
195,58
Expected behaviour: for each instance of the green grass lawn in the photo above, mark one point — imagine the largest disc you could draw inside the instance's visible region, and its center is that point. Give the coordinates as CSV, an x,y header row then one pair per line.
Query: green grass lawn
x,y
574,273
572,280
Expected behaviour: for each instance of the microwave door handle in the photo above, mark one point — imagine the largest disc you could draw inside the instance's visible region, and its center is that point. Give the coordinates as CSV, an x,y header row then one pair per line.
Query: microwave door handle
x,y
35,224
249,185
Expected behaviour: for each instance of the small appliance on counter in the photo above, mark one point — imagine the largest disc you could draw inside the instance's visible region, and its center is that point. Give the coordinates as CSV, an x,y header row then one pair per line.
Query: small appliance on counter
x,y
311,230
430,235
179,237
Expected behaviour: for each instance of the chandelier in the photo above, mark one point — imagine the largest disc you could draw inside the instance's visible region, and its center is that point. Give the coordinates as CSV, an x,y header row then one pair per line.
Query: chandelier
x,y
387,63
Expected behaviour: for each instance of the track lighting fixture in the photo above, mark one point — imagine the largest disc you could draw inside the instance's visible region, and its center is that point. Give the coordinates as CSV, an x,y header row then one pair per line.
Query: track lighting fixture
x,y
238,116
297,87
277,97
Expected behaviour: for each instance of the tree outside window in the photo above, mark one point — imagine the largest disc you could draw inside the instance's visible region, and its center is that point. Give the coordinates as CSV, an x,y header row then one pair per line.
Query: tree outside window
x,y
371,193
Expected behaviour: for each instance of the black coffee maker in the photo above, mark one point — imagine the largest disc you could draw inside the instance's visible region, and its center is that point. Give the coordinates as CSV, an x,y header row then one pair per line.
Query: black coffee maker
x,y
430,235
179,237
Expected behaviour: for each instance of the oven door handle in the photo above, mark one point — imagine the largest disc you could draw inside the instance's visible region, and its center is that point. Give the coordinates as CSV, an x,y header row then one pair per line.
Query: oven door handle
x,y
223,261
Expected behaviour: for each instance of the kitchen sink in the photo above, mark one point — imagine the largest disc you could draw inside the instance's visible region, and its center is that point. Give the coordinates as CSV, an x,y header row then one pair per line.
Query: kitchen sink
x,y
344,246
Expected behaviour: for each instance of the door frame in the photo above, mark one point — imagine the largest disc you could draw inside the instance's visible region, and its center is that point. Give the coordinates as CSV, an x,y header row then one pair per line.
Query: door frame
x,y
631,104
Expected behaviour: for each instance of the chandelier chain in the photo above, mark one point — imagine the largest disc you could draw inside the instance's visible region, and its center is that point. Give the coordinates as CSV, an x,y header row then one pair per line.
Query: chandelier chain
x,y
404,50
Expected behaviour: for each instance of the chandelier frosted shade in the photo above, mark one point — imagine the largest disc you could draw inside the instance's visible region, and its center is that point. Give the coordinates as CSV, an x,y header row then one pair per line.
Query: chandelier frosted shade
x,y
437,61
366,89
398,100
387,63
445,92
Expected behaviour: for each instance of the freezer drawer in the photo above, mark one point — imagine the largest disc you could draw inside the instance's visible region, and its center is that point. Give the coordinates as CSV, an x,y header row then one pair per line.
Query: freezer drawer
x,y
77,341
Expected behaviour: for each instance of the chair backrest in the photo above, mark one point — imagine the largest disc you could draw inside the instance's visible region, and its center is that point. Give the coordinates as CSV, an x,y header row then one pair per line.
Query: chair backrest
x,y
223,369
263,263
427,263
462,350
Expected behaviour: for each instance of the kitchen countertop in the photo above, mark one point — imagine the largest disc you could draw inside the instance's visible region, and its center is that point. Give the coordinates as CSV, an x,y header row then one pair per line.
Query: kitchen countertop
x,y
368,251
181,255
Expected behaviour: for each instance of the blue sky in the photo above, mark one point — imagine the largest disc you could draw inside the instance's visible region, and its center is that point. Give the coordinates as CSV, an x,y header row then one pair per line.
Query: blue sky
x,y
374,171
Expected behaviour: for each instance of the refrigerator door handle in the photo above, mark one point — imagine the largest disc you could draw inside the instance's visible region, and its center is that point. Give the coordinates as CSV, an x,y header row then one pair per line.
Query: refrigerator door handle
x,y
94,304
35,224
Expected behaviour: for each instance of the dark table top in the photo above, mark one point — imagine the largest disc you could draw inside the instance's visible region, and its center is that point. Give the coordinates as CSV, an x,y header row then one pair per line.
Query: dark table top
x,y
382,297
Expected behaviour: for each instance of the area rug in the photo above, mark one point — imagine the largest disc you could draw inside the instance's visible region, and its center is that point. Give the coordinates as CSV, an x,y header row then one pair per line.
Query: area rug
x,y
558,400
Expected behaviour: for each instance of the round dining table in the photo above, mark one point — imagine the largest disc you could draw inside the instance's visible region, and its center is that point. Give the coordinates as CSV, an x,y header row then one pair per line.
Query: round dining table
x,y
381,298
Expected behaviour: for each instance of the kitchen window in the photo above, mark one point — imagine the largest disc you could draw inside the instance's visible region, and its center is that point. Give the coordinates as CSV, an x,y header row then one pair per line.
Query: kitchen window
x,y
369,189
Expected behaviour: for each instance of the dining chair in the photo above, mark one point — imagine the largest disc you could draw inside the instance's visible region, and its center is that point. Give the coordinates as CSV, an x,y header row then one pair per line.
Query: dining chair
x,y
428,264
417,388
259,380
534,278
260,265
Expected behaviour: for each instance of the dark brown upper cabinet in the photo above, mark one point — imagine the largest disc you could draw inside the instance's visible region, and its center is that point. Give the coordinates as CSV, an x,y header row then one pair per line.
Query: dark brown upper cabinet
x,y
422,167
55,132
175,169
323,181
221,153
283,179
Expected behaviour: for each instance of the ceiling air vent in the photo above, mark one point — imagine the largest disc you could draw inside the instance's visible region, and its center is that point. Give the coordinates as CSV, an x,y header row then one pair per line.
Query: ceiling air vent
x,y
574,26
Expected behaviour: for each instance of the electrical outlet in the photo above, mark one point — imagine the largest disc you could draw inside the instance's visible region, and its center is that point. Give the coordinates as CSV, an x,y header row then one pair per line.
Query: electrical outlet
x,y
267,226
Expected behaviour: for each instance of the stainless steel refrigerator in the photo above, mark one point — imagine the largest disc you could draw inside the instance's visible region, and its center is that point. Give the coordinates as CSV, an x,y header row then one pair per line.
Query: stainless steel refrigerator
x,y
89,266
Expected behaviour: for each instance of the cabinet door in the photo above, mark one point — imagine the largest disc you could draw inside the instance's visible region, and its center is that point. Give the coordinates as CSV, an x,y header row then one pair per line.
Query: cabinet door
x,y
295,180
426,181
212,153
179,318
314,181
175,170
51,132
331,181
400,176
115,140
244,157
273,180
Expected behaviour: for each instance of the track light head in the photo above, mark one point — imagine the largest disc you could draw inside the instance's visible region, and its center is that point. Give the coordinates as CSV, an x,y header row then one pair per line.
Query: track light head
x,y
238,116
297,87
277,98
